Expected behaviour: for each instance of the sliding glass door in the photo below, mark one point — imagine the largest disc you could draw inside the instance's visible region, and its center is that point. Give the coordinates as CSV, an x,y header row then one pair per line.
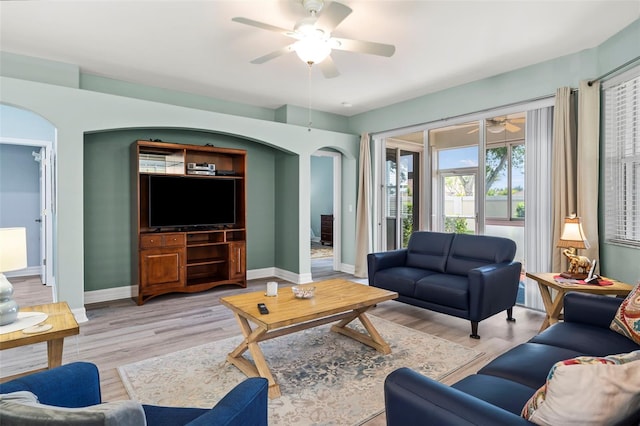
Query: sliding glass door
x,y
401,193
473,181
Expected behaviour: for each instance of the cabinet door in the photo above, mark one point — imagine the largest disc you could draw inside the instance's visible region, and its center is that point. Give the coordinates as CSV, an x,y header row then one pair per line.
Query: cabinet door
x,y
237,261
161,266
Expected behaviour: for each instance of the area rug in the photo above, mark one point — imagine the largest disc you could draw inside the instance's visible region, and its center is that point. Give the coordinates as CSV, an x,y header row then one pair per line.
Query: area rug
x,y
325,378
319,251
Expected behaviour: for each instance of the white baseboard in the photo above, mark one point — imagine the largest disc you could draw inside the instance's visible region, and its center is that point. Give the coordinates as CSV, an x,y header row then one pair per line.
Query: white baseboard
x,y
347,269
109,294
278,273
131,291
26,272
80,314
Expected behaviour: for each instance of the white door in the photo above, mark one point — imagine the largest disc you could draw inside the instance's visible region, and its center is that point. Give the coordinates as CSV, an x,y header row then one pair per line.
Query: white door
x,y
46,216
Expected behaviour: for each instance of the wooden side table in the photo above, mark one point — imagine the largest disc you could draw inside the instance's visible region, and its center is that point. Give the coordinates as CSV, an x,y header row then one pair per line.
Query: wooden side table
x,y
553,304
63,324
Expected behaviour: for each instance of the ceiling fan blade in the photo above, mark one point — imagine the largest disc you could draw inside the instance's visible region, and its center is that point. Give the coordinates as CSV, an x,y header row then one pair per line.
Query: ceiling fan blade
x,y
264,26
332,16
364,46
273,55
328,68
511,127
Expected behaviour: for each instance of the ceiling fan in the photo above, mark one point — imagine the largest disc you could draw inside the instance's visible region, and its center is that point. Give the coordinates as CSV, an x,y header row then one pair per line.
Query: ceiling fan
x,y
313,37
499,124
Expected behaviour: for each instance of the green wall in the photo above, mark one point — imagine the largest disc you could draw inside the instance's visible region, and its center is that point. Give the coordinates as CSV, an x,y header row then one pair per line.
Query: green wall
x,y
107,200
286,218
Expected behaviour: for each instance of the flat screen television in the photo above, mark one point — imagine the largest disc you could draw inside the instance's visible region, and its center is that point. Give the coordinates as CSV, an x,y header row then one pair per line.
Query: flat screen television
x,y
184,201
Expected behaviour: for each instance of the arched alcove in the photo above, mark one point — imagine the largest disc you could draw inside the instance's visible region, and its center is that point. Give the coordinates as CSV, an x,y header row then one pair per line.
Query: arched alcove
x,y
107,201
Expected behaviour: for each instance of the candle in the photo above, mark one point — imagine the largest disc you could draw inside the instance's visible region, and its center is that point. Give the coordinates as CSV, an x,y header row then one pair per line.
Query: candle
x,y
272,288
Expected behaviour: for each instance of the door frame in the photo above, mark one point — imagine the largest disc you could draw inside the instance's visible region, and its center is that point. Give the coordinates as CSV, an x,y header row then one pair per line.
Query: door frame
x,y
337,205
439,223
381,144
47,204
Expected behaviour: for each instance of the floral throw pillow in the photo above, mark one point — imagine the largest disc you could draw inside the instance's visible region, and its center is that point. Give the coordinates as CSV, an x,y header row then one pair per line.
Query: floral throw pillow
x,y
627,319
587,391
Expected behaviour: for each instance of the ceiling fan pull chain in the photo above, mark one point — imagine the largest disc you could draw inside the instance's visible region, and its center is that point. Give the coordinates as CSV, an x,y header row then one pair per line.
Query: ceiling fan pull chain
x,y
309,96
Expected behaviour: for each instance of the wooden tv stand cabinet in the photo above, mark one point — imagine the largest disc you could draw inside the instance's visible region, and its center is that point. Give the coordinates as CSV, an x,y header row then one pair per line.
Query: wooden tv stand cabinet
x,y
185,260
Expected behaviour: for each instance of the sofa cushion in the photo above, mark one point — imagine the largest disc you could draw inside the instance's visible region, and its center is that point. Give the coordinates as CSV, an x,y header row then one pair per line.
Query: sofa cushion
x,y
528,363
585,339
472,251
627,319
429,250
503,393
23,408
588,391
445,290
401,279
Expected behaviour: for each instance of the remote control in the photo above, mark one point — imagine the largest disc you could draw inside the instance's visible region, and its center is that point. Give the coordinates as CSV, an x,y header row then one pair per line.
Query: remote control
x,y
263,308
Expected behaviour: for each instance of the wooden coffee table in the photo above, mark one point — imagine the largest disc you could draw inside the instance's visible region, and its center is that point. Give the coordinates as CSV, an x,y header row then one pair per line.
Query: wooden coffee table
x,y
553,304
335,300
63,324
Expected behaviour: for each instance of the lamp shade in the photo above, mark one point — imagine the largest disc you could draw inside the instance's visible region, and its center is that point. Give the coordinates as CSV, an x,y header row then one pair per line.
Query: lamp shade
x,y
13,249
572,234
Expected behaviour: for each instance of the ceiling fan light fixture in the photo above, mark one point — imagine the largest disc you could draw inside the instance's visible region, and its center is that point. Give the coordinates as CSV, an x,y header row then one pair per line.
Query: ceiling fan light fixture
x,y
312,50
495,128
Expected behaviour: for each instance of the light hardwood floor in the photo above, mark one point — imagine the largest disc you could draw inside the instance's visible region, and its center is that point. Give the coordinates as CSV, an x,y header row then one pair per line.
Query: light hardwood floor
x,y
120,332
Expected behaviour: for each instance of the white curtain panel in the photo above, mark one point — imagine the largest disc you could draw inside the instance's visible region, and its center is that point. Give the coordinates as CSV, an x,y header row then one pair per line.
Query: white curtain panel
x,y
589,164
538,224
564,169
363,209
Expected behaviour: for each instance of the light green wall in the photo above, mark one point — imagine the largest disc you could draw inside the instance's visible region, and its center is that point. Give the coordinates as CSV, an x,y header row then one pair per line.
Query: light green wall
x,y
285,114
173,97
319,120
286,218
36,69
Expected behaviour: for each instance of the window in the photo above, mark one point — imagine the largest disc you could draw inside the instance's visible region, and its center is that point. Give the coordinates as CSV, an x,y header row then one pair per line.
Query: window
x,y
622,159
505,181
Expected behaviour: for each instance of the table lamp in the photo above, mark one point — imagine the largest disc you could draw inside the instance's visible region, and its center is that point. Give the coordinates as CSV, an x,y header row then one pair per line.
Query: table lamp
x,y
573,238
13,256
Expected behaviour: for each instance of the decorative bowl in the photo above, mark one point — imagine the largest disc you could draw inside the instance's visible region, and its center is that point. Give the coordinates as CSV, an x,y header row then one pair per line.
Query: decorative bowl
x,y
303,291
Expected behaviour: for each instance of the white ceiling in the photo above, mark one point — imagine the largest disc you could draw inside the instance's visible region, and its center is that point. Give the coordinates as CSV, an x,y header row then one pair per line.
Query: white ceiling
x,y
193,46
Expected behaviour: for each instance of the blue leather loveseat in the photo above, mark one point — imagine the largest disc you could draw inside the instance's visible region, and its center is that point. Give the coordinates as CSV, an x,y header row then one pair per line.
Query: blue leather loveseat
x,y
498,392
77,385
467,276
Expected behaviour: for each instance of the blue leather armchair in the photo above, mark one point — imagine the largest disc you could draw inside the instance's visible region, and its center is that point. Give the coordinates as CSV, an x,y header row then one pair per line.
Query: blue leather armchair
x,y
467,276
77,385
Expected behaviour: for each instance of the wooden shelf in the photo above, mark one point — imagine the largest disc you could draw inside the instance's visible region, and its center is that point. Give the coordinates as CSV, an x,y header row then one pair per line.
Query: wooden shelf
x,y
177,260
207,261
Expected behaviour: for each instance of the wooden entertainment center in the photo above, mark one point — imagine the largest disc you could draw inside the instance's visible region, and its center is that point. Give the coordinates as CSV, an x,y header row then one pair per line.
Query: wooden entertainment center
x,y
193,258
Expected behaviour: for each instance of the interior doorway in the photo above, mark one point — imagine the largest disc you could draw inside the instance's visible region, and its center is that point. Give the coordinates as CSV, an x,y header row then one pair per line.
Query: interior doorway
x,y
27,189
325,232
33,211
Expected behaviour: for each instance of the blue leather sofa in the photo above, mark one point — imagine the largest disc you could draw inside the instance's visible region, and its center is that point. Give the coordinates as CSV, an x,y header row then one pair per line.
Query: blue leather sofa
x,y
77,385
467,276
497,393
